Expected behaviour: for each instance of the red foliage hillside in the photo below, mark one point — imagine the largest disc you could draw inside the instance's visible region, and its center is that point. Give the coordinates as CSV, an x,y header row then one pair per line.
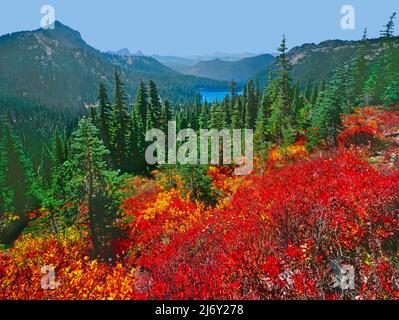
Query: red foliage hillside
x,y
275,235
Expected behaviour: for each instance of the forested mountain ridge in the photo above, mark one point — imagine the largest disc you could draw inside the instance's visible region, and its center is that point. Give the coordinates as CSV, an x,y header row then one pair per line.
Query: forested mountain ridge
x,y
57,67
312,63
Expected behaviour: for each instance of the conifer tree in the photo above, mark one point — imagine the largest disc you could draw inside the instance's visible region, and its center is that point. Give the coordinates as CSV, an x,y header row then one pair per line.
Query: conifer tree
x,y
296,103
155,105
16,181
331,104
58,150
260,135
105,115
93,114
93,186
120,126
218,117
137,141
384,69
314,95
236,119
359,70
251,106
389,28
149,124
307,93
243,110
198,184
167,115
281,120
45,169
257,92
233,91
59,176
391,93
203,119
141,103
375,84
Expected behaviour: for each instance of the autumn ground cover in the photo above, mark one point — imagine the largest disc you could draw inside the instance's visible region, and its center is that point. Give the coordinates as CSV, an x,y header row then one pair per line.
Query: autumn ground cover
x,y
273,235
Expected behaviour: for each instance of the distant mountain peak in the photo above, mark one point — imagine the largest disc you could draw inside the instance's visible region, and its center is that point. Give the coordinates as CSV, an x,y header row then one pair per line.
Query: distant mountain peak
x,y
123,52
59,28
59,24
126,53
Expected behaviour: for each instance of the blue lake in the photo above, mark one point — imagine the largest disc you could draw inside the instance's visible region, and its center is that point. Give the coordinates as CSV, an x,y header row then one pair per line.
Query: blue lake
x,y
212,96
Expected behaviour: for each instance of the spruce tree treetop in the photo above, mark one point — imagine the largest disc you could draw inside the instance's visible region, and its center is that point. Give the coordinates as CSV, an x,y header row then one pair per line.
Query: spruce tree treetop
x,y
88,150
218,117
281,121
155,104
119,95
389,28
167,115
142,100
284,69
365,34
120,133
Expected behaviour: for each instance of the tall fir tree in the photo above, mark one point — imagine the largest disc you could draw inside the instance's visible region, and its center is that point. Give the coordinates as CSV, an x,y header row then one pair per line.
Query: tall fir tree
x,y
93,185
281,127
389,28
236,119
149,122
359,72
120,132
166,115
260,136
384,67
203,122
218,117
105,115
141,103
155,104
17,184
251,106
137,142
331,104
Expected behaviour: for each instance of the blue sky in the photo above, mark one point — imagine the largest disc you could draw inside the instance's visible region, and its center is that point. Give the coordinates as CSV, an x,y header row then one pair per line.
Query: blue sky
x,y
186,27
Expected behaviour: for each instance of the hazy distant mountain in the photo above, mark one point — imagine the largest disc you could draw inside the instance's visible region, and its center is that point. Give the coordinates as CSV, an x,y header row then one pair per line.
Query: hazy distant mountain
x,y
123,52
178,63
57,67
218,69
225,56
126,53
174,62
